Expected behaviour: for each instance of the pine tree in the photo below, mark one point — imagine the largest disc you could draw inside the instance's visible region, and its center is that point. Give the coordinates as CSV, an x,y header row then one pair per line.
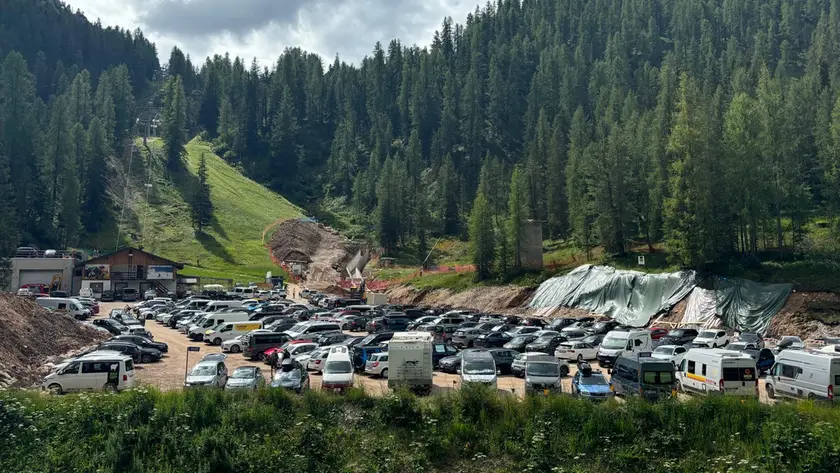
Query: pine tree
x,y
481,235
517,214
202,206
94,206
9,235
174,123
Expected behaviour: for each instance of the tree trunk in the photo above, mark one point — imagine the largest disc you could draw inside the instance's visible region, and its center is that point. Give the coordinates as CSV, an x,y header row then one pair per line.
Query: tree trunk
x,y
779,238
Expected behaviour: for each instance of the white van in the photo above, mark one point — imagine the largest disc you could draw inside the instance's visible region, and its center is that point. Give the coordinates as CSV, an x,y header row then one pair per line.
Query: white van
x,y
70,306
228,330
617,343
478,367
213,306
310,328
804,375
110,371
718,371
338,370
214,319
244,292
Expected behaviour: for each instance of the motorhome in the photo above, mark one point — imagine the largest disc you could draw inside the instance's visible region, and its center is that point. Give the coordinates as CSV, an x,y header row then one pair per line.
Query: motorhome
x,y
410,361
804,375
718,371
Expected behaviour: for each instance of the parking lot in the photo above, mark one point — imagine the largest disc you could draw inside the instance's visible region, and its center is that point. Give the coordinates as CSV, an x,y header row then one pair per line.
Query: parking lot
x,y
169,372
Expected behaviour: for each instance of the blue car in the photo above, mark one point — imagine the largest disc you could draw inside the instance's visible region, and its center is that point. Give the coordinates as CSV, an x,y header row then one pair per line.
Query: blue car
x,y
591,385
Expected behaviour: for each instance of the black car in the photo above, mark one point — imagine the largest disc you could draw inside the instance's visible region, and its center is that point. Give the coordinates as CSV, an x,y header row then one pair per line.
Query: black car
x,y
331,338
602,327
594,340
142,342
504,359
111,325
281,325
491,340
291,376
546,345
533,322
59,294
389,323
451,364
679,336
356,323
107,296
145,355
519,343
558,324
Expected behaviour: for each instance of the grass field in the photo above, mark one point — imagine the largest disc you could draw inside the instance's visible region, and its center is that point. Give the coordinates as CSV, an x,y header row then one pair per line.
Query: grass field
x,y
232,246
467,430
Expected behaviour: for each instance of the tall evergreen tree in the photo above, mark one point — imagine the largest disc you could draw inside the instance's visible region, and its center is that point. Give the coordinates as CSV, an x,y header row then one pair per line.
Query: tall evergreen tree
x,y
201,207
174,123
481,234
517,214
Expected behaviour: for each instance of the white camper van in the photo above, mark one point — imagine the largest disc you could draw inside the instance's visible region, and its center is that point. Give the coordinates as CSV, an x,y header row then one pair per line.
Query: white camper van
x,y
70,306
617,343
106,370
410,360
804,375
718,371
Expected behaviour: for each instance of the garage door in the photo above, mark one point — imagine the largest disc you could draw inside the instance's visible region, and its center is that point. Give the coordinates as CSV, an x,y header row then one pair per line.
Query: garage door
x,y
36,277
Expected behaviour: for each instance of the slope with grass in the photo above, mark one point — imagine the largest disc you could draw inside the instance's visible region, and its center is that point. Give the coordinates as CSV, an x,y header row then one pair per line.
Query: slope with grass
x,y
158,217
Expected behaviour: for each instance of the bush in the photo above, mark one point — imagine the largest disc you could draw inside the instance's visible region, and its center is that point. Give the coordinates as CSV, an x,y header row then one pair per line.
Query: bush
x,y
469,430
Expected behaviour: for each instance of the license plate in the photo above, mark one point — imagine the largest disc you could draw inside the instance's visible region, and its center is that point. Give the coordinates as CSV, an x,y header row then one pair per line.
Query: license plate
x,y
545,392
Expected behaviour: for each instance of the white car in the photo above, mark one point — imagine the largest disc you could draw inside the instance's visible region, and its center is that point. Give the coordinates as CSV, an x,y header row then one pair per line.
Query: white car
x,y
672,353
317,359
576,350
149,295
234,345
712,338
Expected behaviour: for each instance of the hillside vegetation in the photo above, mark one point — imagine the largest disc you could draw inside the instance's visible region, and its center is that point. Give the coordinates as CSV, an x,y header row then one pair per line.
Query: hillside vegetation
x,y
232,245
470,430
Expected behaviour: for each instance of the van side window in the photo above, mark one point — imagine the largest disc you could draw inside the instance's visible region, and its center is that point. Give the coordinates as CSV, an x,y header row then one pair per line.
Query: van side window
x,y
638,343
692,366
95,367
704,370
788,371
62,306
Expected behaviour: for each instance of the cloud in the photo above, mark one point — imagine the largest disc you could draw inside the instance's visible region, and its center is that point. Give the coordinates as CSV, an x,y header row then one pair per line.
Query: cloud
x,y
264,28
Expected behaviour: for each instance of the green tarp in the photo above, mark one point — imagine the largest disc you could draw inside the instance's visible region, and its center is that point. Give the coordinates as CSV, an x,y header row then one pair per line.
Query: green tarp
x,y
630,297
633,298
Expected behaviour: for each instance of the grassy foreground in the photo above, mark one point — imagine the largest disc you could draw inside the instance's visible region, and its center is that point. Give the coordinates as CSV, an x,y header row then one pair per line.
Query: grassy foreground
x,y
232,246
469,431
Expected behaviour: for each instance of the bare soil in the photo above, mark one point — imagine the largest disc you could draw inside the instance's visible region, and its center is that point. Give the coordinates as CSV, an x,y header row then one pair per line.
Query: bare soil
x,y
32,338
498,299
809,315
326,252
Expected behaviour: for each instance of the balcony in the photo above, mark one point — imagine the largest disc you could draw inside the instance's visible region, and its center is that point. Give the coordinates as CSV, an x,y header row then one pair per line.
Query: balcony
x,y
127,275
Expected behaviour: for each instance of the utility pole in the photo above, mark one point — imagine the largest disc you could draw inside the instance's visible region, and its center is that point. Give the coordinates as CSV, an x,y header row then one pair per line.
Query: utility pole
x,y
125,197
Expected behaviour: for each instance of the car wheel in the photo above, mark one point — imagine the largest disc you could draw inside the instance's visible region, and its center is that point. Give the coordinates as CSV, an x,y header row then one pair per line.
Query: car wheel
x,y
217,341
261,356
470,344
146,359
564,371
771,393
234,349
55,389
110,388
714,345
580,358
384,373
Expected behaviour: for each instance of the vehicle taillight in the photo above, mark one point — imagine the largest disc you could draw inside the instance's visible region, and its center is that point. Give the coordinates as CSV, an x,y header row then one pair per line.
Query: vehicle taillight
x,y
830,392
375,364
317,362
125,377
720,385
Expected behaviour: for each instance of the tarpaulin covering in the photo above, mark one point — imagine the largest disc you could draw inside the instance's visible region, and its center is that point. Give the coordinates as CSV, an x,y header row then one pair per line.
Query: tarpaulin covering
x,y
630,297
748,306
701,309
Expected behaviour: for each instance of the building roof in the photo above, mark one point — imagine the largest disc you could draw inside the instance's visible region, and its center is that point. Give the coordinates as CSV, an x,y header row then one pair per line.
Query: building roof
x,y
104,257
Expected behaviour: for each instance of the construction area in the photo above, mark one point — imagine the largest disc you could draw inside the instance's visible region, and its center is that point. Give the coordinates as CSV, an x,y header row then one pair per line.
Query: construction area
x,y
317,255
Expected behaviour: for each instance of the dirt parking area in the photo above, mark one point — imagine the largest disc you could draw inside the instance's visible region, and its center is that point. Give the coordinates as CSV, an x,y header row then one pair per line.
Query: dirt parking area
x,y
170,371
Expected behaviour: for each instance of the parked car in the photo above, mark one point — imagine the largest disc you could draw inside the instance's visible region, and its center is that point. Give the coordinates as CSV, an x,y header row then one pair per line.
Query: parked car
x,y
420,321
111,325
315,360
246,377
291,376
519,343
143,342
377,365
601,327
790,342
657,332
594,339
751,338
338,370
543,375
465,337
234,345
492,339
102,370
210,373
478,367
517,367
138,354
561,322
591,385
763,357
712,338
546,344
576,350
330,338
672,353
504,359
678,336
522,330
441,351
107,296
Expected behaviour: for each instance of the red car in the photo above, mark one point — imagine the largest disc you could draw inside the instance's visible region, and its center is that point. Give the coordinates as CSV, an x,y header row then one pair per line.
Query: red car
x,y
280,349
657,332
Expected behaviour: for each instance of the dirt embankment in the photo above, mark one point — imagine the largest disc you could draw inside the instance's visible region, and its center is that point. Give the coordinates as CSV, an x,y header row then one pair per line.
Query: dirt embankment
x,y
31,337
808,315
501,299
323,250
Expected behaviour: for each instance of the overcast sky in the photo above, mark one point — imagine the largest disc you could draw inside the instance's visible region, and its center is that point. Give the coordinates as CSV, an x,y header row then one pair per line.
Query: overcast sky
x,y
264,28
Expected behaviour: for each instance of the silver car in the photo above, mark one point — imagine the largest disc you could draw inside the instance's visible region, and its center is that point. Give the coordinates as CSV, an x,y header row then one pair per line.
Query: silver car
x,y
246,377
377,365
465,337
207,374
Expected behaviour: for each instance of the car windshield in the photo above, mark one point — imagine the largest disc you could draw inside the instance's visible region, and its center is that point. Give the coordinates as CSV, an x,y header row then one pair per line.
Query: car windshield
x,y
248,372
290,375
521,339
749,337
675,333
543,369
707,334
341,366
593,380
664,350
203,370
613,343
479,367
298,328
792,339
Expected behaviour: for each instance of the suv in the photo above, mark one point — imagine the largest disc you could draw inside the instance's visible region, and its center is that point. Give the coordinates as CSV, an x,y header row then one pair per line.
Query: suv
x,y
504,359
465,337
390,323
679,336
